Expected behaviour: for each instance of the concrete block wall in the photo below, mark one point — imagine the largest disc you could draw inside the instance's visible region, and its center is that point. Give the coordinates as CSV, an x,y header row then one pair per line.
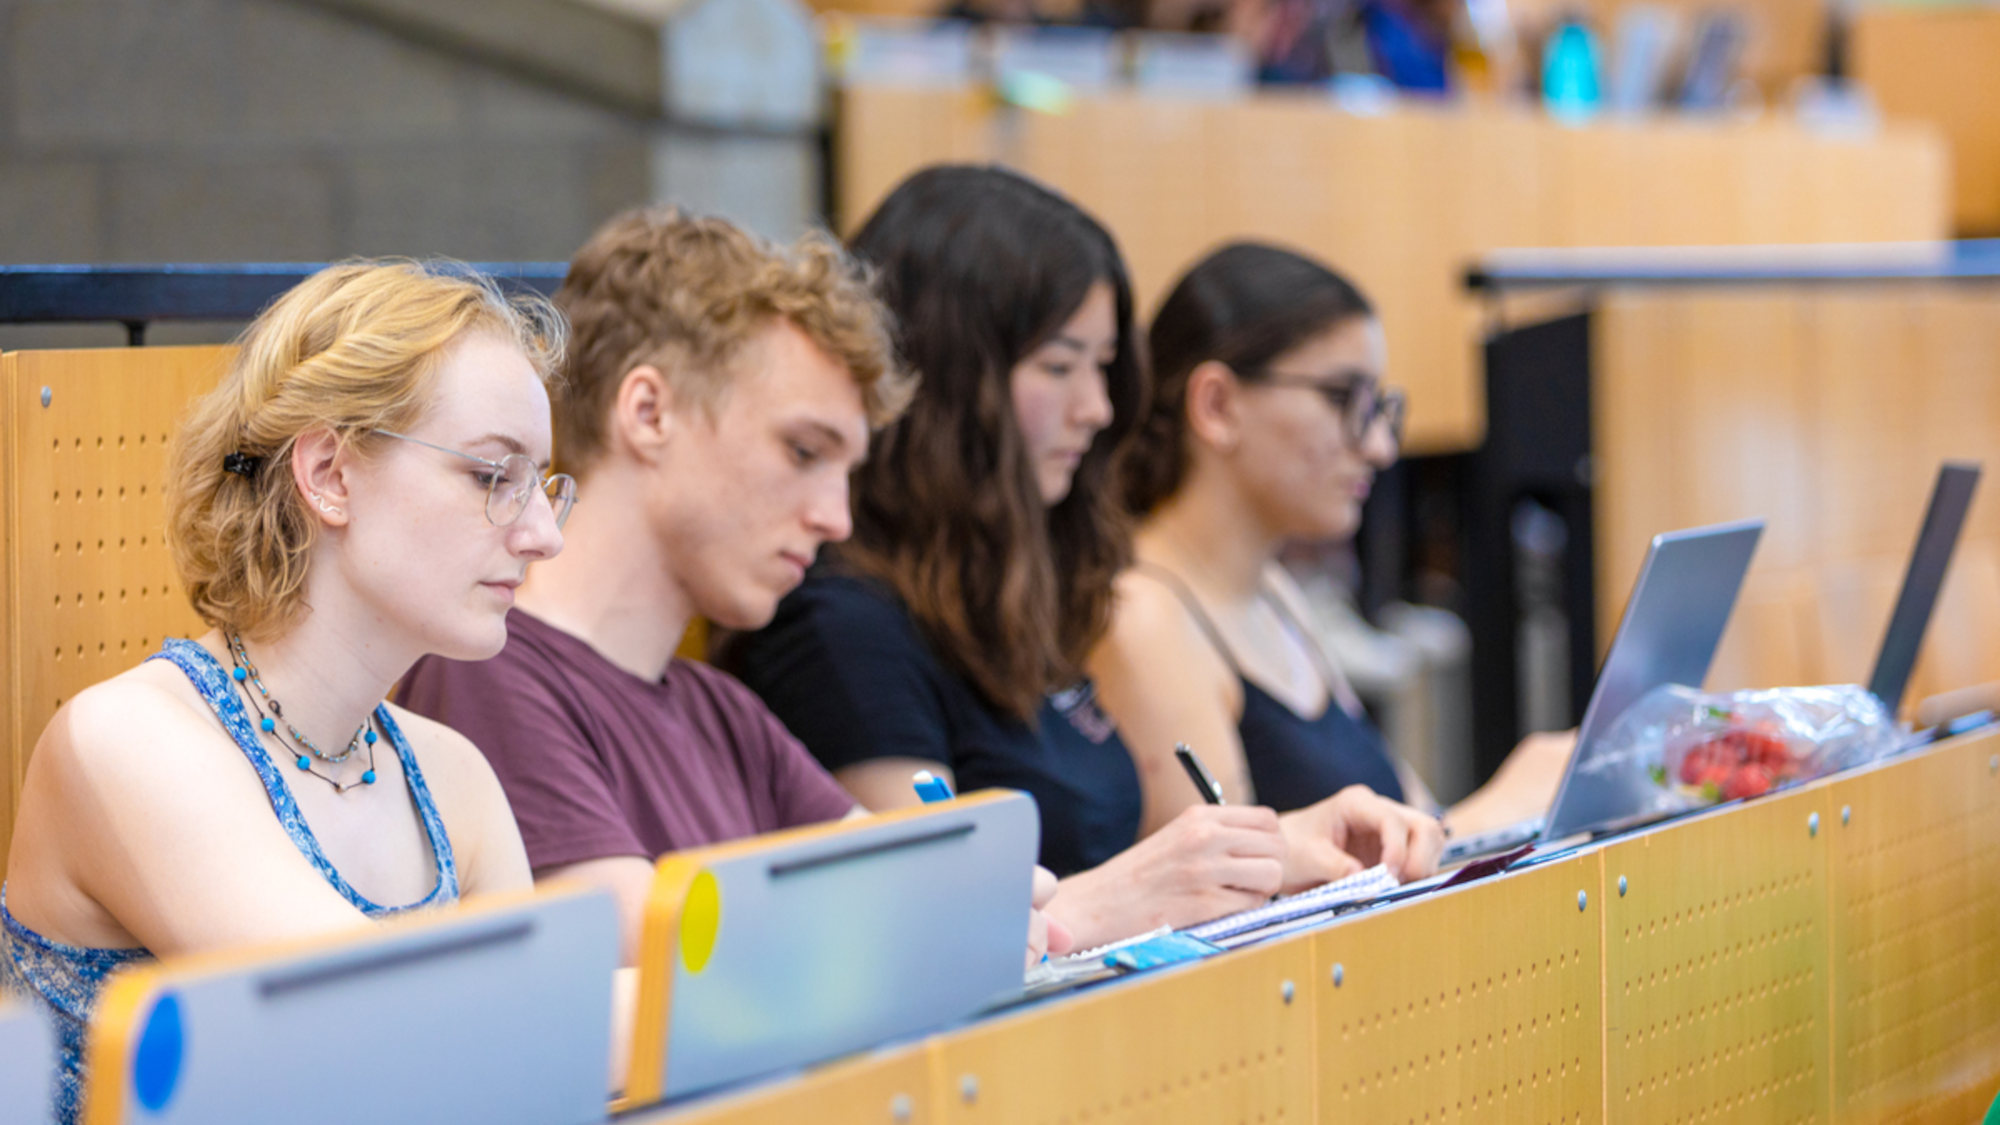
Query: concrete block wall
x,y
276,130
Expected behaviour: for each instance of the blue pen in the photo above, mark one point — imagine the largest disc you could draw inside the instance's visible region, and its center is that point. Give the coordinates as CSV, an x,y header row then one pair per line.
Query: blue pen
x,y
930,787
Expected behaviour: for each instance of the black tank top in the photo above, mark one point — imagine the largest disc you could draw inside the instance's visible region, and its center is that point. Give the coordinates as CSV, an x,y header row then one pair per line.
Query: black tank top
x,y
1295,761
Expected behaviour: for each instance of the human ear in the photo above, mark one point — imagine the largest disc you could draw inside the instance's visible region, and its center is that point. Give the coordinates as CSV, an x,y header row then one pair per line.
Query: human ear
x,y
642,414
1214,398
319,470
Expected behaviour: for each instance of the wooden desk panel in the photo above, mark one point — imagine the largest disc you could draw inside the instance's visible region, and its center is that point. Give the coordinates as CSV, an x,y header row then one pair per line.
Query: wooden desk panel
x,y
1934,63
1916,938
96,589
93,589
1826,412
1405,200
11,760
1715,968
892,1087
907,128
1479,1005
1218,1041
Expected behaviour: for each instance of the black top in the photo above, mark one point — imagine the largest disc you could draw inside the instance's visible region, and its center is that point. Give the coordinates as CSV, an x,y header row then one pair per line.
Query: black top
x,y
1295,761
846,668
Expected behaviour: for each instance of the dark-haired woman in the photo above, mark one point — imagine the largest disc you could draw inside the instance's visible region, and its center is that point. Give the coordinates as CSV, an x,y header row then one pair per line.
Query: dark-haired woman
x,y
950,633
1268,421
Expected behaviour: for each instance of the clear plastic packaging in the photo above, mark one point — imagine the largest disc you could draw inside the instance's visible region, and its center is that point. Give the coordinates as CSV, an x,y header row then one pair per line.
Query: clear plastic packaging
x,y
1700,748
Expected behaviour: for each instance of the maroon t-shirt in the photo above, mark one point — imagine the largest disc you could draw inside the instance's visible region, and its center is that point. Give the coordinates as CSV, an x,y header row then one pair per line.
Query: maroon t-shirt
x,y
598,762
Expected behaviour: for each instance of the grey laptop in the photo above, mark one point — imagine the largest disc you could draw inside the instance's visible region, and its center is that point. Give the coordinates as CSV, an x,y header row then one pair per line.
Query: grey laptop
x,y
1672,624
1951,498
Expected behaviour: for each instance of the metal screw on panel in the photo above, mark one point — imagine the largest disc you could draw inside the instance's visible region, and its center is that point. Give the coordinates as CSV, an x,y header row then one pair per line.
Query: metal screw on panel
x,y
47,394
1812,825
968,1088
900,1108
1582,900
1621,886
1339,974
1846,813
1286,990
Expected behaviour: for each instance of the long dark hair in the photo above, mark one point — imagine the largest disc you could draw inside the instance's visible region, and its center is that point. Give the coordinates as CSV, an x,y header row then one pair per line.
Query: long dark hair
x,y
981,267
1244,305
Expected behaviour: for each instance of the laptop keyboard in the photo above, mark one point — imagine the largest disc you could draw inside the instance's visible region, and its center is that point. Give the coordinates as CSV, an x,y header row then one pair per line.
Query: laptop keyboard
x,y
1491,841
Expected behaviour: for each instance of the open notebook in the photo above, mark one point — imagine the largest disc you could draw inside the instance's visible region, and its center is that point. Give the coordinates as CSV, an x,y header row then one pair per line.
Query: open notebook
x,y
1246,926
1227,932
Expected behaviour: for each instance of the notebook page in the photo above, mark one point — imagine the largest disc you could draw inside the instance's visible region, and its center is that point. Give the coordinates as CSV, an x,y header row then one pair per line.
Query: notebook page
x,y
1358,887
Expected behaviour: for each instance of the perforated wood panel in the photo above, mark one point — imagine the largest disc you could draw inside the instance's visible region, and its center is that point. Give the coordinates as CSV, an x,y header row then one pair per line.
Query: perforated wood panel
x,y
1474,1006
1715,968
92,589
893,1088
1916,938
1212,1044
8,765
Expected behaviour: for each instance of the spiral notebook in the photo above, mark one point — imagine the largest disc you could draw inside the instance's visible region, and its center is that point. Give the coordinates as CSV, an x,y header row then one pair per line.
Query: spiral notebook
x,y
1235,929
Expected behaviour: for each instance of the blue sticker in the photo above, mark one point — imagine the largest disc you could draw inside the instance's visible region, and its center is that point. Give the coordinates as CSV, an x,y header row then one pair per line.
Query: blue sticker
x,y
156,1066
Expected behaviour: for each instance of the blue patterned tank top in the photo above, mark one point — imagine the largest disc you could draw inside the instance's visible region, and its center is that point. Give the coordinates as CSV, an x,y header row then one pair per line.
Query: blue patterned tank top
x,y
65,979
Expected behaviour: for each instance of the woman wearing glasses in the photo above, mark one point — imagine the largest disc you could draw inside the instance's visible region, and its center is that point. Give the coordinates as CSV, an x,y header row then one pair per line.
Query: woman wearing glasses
x,y
1267,424
364,487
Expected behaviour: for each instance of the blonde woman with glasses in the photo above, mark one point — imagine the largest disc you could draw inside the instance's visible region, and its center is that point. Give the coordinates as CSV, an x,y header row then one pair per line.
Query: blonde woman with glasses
x,y
367,485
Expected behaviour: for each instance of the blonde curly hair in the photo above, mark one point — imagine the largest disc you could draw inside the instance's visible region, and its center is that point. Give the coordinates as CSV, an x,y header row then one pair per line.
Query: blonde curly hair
x,y
351,349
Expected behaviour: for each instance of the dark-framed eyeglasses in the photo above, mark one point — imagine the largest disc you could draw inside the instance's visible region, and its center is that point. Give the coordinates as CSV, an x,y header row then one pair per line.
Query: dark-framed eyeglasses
x,y
511,483
1361,402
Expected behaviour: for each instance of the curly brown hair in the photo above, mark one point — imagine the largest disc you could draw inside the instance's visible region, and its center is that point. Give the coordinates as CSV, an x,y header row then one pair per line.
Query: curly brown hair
x,y
687,293
982,266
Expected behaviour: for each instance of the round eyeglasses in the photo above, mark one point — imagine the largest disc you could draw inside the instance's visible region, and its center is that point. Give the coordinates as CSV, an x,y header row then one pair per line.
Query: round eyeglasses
x,y
1358,399
511,484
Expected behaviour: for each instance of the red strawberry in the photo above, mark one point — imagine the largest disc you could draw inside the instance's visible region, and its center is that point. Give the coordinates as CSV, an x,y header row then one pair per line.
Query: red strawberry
x,y
1694,763
1768,750
1747,781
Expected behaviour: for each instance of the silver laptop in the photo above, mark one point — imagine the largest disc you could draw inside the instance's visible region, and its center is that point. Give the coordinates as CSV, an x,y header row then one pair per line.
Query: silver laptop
x,y
1672,624
1951,498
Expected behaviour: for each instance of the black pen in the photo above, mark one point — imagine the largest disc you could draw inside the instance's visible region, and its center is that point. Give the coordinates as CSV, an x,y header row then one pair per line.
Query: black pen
x,y
1204,782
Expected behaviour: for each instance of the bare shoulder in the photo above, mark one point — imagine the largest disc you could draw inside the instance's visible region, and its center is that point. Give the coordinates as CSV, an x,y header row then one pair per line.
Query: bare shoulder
x,y
1148,613
95,786
133,720
1156,658
1150,625
449,759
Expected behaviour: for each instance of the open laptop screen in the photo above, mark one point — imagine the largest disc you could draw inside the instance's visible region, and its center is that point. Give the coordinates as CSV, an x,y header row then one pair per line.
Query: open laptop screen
x,y
1951,497
1668,635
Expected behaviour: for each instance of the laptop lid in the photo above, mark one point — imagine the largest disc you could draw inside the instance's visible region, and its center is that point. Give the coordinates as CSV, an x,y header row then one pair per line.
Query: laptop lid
x,y
497,1011
787,949
1951,498
1668,635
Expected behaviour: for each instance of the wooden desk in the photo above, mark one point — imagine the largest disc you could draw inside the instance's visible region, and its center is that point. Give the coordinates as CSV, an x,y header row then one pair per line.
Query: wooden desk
x,y
1936,64
1827,411
1827,954
1403,201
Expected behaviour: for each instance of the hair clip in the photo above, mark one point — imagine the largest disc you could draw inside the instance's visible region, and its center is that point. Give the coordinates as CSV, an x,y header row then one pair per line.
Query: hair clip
x,y
242,464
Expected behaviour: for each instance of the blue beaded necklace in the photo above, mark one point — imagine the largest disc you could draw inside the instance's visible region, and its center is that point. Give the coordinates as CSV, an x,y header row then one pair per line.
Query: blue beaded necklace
x,y
365,736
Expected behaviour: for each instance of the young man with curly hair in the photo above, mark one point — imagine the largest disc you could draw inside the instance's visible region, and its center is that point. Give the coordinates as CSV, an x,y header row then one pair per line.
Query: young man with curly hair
x,y
717,394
